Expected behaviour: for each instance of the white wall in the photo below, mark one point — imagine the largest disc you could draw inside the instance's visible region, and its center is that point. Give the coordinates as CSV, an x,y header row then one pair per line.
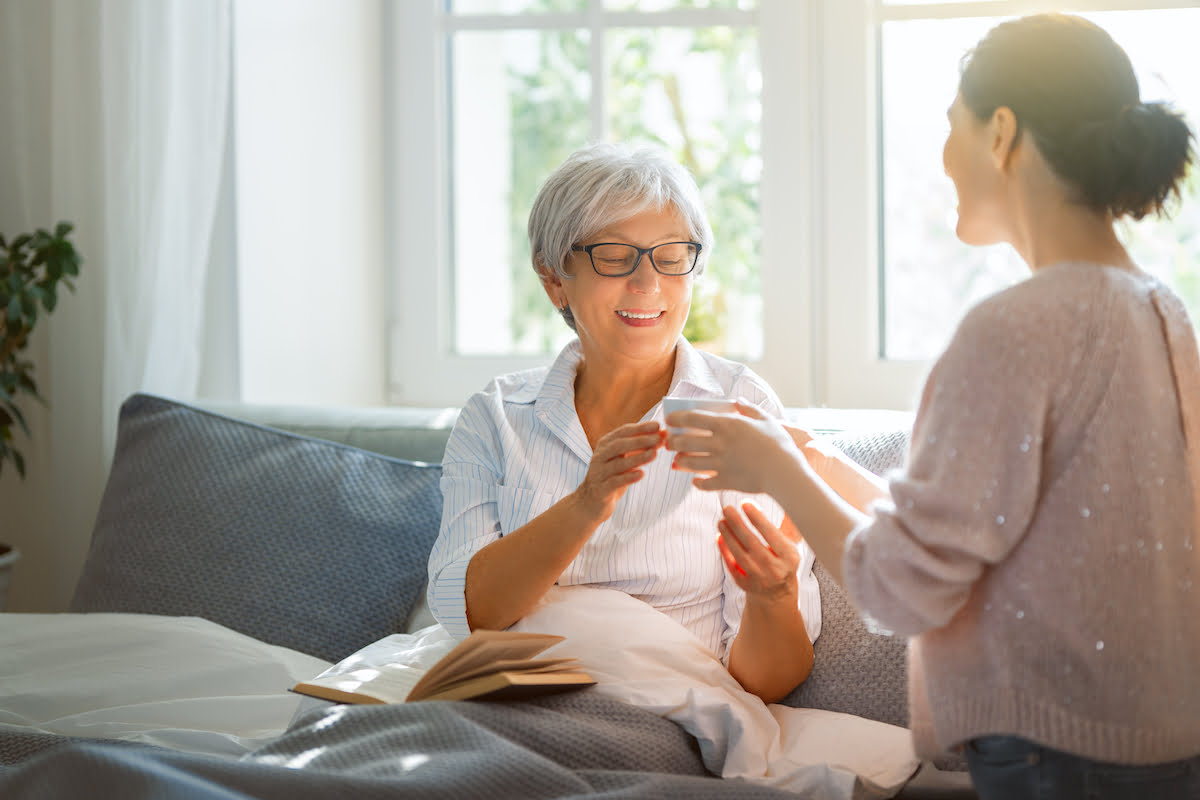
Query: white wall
x,y
308,97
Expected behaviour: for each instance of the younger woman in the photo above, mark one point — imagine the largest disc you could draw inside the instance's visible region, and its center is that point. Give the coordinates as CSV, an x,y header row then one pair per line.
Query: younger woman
x,y
1041,544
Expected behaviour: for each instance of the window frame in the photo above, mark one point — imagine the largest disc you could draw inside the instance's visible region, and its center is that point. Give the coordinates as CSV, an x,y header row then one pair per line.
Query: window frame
x,y
820,186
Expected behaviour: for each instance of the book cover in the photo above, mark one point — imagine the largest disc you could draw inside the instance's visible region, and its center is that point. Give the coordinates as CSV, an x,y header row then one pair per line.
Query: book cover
x,y
487,664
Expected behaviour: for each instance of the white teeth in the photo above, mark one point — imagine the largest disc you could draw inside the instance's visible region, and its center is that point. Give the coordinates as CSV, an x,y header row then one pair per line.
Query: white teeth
x,y
632,315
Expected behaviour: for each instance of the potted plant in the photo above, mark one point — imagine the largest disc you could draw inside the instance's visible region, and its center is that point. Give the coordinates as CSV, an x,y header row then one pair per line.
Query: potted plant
x,y
31,267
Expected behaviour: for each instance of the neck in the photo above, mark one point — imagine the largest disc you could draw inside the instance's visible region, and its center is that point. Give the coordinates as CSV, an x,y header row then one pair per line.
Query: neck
x,y
1050,228
610,393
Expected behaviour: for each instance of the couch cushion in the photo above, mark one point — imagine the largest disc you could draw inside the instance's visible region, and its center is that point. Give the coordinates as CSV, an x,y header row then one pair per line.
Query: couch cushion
x,y
295,541
855,670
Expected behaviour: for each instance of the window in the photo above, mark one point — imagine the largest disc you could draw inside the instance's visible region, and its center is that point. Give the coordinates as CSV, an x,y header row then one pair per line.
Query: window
x,y
814,129
928,275
525,89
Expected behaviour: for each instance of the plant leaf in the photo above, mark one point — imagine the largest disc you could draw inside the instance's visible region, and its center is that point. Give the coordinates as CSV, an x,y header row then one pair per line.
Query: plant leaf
x,y
15,413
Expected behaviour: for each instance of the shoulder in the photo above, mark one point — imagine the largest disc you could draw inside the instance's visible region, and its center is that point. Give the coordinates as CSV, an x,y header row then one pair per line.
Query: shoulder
x,y
1060,304
486,412
517,387
1053,329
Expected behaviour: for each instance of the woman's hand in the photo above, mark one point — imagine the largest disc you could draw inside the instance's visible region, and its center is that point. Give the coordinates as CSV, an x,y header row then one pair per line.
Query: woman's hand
x,y
763,570
616,465
772,652
743,453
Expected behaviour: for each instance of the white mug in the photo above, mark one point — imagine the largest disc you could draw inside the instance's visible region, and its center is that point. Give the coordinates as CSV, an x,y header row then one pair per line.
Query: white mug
x,y
719,405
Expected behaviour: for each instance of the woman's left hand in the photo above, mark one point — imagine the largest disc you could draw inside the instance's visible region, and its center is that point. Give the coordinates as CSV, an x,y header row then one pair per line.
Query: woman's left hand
x,y
765,570
742,453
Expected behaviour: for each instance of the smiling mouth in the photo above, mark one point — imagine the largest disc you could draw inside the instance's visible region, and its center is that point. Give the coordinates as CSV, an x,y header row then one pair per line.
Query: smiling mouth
x,y
640,315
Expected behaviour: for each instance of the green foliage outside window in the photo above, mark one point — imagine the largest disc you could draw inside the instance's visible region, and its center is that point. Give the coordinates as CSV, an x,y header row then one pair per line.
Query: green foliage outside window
x,y
551,118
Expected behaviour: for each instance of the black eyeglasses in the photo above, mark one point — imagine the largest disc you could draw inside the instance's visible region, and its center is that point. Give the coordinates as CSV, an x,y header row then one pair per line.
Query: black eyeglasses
x,y
615,260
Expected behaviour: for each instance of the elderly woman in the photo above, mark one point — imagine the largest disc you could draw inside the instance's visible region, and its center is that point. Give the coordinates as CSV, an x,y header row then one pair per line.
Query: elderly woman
x,y
558,475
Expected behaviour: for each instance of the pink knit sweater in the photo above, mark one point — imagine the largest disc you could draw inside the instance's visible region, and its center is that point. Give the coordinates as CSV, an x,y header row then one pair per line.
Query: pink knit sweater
x,y
1041,546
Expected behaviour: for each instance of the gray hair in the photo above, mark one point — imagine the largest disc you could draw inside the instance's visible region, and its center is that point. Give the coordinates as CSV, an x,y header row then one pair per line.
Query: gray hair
x,y
602,184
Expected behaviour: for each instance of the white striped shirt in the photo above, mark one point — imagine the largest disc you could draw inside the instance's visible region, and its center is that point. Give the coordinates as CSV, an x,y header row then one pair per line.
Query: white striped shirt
x,y
518,447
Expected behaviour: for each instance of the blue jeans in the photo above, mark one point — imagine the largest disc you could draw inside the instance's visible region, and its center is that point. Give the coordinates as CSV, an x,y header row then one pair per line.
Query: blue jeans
x,y
1010,768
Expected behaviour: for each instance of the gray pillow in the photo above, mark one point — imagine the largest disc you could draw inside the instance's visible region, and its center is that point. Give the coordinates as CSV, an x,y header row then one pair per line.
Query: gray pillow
x,y
854,670
296,541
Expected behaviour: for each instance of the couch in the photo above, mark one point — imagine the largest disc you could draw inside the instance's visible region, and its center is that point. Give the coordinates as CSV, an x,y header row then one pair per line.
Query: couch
x,y
239,549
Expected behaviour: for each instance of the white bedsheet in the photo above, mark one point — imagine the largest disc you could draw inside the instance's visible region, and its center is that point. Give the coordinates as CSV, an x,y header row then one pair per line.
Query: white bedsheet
x,y
643,657
178,682
193,685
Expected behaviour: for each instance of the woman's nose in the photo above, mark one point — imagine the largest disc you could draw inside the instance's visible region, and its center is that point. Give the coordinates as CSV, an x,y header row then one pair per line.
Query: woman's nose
x,y
644,276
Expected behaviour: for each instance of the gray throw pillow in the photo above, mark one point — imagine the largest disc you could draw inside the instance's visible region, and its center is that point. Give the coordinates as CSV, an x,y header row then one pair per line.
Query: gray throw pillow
x,y
854,670
296,541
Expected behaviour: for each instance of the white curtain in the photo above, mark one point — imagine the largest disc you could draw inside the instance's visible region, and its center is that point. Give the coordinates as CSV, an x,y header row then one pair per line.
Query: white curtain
x,y
115,117
164,77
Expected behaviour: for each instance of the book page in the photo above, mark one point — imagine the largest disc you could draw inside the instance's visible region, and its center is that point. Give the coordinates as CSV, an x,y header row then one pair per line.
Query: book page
x,y
387,684
475,655
517,665
403,665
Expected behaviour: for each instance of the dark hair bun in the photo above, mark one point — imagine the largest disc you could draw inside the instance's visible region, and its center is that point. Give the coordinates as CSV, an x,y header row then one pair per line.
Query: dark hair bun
x,y
1074,90
1130,164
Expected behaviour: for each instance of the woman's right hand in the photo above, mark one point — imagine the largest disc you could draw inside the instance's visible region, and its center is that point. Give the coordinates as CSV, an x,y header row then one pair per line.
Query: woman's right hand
x,y
616,464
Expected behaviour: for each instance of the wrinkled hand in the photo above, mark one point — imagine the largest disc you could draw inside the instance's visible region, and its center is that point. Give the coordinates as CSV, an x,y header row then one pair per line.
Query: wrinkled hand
x,y
766,570
741,453
616,464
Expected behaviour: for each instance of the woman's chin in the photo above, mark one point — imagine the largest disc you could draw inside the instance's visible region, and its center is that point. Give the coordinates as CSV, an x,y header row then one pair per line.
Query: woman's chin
x,y
971,236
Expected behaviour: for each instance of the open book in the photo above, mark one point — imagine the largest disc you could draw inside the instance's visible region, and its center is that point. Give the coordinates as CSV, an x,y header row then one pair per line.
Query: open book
x,y
492,665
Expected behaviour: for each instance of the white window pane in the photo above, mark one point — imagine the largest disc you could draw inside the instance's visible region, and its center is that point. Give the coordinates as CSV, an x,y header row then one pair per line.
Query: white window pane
x,y
519,106
929,277
696,93
1162,46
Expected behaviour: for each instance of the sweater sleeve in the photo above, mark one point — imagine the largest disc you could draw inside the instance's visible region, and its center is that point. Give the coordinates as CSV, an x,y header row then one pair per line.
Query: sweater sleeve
x,y
970,487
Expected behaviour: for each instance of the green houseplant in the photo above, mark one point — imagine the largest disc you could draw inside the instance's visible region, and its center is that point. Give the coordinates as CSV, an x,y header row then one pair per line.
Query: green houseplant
x,y
32,266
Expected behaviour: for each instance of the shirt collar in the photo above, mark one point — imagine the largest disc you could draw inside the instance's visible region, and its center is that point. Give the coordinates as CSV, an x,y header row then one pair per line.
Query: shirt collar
x,y
693,376
559,383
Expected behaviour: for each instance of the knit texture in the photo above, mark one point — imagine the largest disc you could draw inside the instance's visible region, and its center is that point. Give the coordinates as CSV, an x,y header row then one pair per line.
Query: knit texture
x,y
857,670
1041,544
295,541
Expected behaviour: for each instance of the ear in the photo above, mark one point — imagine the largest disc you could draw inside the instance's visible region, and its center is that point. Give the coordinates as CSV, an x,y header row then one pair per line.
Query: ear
x,y
1003,130
553,285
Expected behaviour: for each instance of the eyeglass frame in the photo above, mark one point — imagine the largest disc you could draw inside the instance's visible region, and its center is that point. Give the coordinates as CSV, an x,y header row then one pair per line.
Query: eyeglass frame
x,y
641,251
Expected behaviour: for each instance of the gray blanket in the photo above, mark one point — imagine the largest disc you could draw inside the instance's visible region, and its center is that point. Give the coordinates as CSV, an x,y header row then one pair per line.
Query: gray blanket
x,y
564,746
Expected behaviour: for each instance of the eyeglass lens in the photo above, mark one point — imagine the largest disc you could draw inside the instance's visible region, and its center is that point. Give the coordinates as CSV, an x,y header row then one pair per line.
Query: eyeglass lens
x,y
672,258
